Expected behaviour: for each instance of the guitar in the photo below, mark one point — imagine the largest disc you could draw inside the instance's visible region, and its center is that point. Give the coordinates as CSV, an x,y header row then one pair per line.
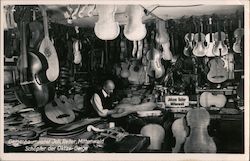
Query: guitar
x,y
199,49
208,99
210,40
238,35
189,38
31,67
135,30
59,111
136,73
106,22
198,140
76,48
219,49
48,50
217,72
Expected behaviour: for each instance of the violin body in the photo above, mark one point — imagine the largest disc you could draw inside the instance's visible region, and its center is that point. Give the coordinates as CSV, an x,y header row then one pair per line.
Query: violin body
x,y
189,37
162,36
33,92
106,22
217,72
198,140
155,68
166,54
199,49
76,51
220,49
180,131
238,35
208,99
124,71
135,30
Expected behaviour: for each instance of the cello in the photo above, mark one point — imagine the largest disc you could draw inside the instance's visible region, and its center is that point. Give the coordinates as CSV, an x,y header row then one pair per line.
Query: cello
x,y
31,69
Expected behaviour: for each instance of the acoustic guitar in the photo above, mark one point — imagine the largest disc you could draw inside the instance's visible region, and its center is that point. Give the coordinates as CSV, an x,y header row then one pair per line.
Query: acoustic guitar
x,y
48,50
198,140
210,40
199,49
135,30
217,73
59,111
106,22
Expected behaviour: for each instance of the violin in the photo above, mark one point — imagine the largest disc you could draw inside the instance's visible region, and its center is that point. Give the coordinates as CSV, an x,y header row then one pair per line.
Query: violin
x,y
123,46
217,72
154,56
199,140
124,71
238,35
135,30
106,22
219,49
31,67
189,38
137,49
162,36
210,40
76,48
199,49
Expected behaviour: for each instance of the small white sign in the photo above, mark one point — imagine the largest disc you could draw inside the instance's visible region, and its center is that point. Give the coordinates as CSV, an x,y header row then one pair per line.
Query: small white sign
x,y
177,101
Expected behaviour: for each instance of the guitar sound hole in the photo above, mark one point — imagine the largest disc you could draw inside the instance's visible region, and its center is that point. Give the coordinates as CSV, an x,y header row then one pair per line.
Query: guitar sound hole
x,y
62,116
218,76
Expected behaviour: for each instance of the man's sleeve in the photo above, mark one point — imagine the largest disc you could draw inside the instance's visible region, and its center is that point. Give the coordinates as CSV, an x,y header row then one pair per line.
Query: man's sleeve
x,y
97,104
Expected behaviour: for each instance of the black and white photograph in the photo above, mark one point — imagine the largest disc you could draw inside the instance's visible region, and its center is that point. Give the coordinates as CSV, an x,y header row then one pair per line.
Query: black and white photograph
x,y
91,78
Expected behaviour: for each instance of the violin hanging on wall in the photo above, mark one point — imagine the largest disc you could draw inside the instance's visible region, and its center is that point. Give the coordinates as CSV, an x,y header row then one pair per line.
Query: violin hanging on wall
x,y
135,30
219,49
199,49
106,22
31,67
189,38
238,35
77,47
210,40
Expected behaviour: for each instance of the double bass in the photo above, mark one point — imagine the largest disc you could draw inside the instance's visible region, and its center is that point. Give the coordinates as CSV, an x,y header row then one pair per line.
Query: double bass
x,y
31,70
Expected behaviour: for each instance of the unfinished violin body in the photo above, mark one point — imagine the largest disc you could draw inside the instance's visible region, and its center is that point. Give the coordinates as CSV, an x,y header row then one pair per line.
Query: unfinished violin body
x,y
208,99
106,28
135,30
198,140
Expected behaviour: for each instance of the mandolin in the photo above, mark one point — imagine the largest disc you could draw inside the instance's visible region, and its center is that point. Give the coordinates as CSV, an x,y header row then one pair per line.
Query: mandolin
x,y
31,67
208,99
199,140
238,35
59,111
199,49
217,73
219,49
106,22
210,40
154,56
189,38
48,50
135,30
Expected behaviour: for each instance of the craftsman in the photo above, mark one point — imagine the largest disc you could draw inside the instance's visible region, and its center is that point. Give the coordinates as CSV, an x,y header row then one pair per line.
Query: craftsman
x,y
101,100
